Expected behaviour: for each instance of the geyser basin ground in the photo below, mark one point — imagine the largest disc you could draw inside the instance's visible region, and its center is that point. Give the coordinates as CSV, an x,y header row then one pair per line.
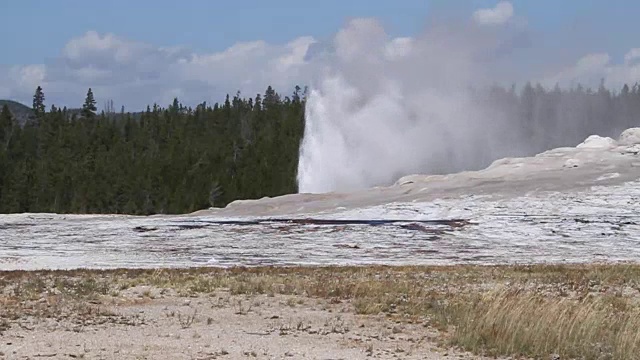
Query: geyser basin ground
x,y
565,205
578,312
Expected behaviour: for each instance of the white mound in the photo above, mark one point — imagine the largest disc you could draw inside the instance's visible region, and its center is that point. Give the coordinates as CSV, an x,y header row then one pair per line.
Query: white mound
x,y
597,142
630,137
588,164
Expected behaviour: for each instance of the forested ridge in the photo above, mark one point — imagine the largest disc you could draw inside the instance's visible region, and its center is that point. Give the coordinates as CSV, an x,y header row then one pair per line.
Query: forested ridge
x,y
179,159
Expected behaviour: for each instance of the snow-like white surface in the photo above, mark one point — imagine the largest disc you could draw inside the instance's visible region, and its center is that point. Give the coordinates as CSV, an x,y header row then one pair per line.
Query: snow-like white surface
x,y
565,205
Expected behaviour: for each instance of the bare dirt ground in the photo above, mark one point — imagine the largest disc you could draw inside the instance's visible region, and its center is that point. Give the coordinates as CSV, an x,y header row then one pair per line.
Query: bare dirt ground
x,y
543,311
142,323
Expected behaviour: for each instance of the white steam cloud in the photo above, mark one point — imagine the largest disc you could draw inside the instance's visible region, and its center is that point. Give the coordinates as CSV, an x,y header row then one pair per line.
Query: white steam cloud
x,y
386,107
498,15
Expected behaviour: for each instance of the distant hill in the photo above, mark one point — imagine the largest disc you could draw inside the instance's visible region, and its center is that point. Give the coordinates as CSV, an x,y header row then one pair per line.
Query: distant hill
x,y
20,111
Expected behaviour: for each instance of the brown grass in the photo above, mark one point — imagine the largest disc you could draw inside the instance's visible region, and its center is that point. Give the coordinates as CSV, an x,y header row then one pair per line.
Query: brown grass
x,y
578,311
525,323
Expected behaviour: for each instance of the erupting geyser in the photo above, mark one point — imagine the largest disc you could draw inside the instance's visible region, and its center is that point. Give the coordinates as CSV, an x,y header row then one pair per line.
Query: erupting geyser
x,y
384,107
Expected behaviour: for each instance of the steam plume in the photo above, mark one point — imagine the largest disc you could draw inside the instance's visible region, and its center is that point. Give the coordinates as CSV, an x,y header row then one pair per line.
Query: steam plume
x,y
383,107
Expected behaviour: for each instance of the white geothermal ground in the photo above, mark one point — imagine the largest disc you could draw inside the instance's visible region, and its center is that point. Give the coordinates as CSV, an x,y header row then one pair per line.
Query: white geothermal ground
x,y
565,205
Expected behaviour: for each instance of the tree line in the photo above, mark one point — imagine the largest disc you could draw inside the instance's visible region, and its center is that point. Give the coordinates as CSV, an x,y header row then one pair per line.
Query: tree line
x,y
163,160
179,159
547,119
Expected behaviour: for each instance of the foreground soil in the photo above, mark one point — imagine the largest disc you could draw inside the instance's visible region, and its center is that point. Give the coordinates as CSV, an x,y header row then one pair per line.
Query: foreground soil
x,y
221,326
321,313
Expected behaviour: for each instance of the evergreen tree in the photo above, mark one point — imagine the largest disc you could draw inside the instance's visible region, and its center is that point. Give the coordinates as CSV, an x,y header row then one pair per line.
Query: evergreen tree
x,y
38,103
89,107
175,107
271,97
296,94
5,128
6,121
177,159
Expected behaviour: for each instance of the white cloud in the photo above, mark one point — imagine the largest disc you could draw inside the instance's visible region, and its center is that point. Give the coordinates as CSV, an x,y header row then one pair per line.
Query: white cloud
x,y
591,69
5,92
93,42
91,74
295,56
27,77
633,56
399,47
498,15
136,74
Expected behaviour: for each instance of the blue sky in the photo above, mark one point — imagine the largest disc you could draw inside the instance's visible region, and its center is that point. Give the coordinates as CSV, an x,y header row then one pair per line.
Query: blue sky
x,y
203,25
36,32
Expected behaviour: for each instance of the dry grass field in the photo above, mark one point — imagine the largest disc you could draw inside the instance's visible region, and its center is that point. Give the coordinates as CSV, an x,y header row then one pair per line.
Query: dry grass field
x,y
542,311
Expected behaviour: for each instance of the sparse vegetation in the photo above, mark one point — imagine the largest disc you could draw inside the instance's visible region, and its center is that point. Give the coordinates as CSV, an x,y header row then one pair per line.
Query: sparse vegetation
x,y
187,320
578,311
